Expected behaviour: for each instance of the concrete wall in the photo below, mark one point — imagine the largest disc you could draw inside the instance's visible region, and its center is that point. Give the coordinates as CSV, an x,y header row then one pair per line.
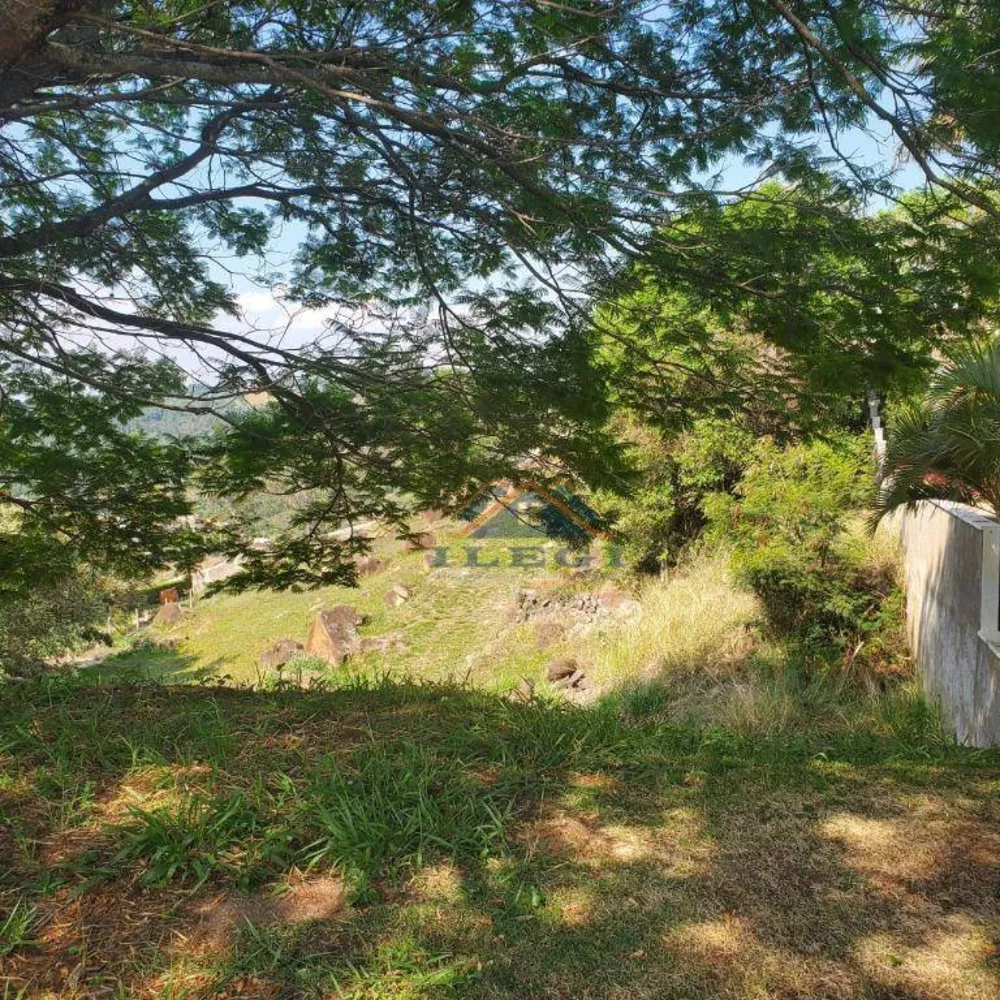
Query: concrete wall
x,y
212,570
952,560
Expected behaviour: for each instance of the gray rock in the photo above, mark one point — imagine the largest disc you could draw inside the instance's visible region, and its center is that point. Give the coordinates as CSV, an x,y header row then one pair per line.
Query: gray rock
x,y
169,614
397,594
583,695
628,610
333,634
367,565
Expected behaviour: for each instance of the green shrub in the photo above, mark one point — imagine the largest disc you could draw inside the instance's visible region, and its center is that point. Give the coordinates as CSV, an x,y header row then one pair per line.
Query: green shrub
x,y
659,511
50,619
788,522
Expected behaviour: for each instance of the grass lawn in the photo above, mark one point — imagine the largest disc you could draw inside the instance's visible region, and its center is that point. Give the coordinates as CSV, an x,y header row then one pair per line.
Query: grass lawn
x,y
393,839
719,822
453,613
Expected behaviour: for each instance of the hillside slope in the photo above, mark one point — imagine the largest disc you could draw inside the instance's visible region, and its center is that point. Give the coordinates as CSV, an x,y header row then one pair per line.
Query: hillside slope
x,y
472,624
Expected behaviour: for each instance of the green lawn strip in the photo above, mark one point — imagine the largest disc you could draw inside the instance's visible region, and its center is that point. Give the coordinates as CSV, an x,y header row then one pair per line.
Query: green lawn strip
x,y
383,782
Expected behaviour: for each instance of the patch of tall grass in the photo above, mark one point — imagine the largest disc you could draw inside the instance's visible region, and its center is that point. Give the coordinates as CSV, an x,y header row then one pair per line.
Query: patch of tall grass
x,y
17,927
695,621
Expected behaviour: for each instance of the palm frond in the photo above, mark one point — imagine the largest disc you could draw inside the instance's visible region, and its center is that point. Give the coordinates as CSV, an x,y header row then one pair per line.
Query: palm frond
x,y
948,445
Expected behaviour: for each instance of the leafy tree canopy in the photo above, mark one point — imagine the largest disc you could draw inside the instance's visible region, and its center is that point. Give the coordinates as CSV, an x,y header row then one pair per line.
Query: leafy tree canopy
x,y
782,308
498,160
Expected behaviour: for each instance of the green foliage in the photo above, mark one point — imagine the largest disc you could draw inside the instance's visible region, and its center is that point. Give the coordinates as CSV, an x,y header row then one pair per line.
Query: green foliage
x,y
50,618
643,509
208,836
810,301
394,811
380,817
947,443
656,510
16,927
797,497
453,186
711,456
77,486
789,524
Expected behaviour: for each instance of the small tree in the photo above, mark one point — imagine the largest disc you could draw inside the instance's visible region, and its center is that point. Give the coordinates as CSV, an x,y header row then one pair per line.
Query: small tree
x,y
788,525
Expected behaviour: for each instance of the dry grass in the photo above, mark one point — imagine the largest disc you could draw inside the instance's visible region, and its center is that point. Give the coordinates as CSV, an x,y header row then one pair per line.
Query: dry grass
x,y
695,621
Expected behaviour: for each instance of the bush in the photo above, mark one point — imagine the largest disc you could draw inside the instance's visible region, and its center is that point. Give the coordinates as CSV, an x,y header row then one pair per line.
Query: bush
x,y
51,619
789,523
659,511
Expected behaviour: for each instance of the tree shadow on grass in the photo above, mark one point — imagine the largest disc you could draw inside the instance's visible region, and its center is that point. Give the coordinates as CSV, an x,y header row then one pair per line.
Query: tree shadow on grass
x,y
496,849
162,665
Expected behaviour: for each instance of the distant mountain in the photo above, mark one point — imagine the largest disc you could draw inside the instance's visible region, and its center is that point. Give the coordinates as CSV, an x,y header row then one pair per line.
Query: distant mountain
x,y
166,423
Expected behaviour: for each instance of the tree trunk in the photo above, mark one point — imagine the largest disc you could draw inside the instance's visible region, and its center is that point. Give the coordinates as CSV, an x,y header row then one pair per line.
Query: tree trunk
x,y
24,27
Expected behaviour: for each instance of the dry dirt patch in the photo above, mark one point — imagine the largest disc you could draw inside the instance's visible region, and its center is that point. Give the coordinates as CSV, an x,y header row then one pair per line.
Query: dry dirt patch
x,y
309,900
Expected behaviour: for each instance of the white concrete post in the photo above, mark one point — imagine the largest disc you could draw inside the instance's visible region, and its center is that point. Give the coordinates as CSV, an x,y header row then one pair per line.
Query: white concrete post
x,y
989,613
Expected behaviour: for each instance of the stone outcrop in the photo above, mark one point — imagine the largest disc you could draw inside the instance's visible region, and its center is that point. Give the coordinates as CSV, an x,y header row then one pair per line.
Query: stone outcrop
x,y
169,614
397,594
333,634
367,565
568,676
535,604
558,669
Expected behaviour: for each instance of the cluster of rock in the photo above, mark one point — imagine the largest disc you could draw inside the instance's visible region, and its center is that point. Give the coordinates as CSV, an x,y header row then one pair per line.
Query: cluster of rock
x,y
542,603
334,634
557,616
566,675
333,637
397,594
279,653
168,615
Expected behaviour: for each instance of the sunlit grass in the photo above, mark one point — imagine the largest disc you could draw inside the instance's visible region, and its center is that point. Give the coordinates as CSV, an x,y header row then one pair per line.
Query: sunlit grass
x,y
723,821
